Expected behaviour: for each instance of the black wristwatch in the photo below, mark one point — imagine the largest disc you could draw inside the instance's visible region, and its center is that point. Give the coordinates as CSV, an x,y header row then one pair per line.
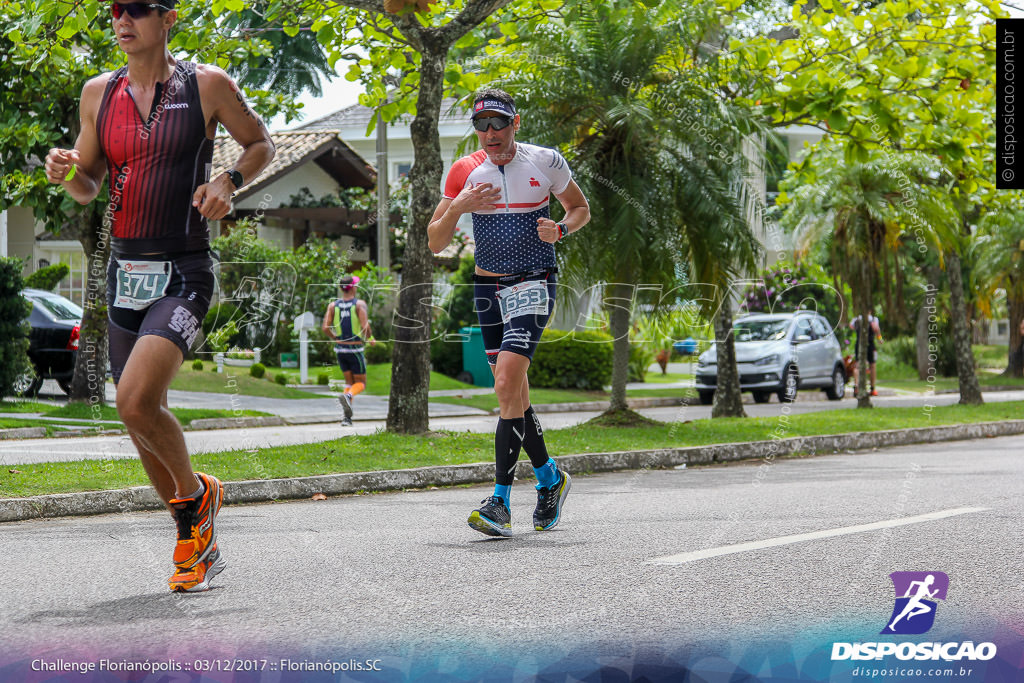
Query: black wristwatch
x,y
235,177
563,230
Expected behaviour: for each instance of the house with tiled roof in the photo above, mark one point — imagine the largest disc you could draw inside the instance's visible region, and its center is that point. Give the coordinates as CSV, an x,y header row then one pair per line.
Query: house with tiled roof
x,y
352,122
454,132
319,161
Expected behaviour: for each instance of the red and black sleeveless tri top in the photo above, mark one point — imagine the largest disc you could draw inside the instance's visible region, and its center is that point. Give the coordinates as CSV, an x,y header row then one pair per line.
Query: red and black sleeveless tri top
x,y
155,165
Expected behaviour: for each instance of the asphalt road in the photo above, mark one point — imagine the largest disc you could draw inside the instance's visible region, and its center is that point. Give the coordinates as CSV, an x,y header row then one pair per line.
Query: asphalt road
x,y
640,570
26,451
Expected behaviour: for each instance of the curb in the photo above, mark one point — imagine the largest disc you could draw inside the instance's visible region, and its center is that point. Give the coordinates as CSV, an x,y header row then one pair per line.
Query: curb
x,y
653,402
267,490
235,422
23,433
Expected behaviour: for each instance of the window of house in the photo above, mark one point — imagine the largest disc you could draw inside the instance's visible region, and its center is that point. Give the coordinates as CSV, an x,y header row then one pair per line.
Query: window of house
x,y
73,286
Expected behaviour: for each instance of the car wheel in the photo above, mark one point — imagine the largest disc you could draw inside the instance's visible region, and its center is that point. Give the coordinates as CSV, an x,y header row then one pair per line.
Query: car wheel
x,y
790,381
27,384
706,397
762,396
837,391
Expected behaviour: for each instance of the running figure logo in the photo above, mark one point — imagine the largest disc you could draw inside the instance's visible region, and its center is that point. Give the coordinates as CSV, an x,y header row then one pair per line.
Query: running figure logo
x,y
916,595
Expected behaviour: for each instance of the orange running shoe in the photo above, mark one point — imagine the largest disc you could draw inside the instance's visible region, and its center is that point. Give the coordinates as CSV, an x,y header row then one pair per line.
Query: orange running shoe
x,y
197,579
196,520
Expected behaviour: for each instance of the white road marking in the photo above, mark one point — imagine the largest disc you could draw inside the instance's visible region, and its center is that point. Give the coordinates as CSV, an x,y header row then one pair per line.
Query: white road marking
x,y
683,558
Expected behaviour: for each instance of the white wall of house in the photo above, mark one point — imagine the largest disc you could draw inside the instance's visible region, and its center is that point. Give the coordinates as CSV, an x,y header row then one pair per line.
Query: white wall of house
x,y
401,154
22,229
277,193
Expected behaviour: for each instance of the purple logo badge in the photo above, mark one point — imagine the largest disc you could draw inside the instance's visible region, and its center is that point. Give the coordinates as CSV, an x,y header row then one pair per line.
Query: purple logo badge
x,y
916,596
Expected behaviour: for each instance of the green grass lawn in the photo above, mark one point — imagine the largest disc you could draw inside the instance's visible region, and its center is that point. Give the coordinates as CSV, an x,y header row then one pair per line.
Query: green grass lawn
x,y
949,383
378,377
234,380
668,378
82,411
18,423
990,356
390,451
537,396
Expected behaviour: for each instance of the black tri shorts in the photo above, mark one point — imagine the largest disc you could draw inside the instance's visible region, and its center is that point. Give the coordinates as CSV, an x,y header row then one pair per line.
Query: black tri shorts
x,y
513,310
164,295
351,358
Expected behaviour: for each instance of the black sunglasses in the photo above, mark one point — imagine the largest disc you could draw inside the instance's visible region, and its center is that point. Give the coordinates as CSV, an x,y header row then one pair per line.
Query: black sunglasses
x,y
135,10
495,122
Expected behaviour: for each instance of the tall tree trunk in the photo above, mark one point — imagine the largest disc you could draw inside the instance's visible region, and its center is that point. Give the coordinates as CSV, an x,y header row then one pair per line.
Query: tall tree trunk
x,y
89,382
925,367
925,326
619,302
410,363
728,397
970,391
1014,355
862,304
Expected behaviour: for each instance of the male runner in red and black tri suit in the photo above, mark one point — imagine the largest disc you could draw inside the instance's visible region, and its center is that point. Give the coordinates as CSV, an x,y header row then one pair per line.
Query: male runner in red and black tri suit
x,y
507,187
151,126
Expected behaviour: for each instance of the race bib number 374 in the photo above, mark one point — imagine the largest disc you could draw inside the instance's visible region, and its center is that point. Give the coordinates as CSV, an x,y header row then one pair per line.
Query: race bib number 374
x,y
527,298
141,283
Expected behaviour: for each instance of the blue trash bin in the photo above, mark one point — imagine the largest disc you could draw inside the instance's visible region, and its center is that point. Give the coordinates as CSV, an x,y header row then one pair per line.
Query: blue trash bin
x,y
474,357
686,347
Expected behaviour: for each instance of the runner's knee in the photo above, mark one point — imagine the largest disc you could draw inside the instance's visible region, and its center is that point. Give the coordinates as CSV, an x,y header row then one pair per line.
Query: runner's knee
x,y
138,409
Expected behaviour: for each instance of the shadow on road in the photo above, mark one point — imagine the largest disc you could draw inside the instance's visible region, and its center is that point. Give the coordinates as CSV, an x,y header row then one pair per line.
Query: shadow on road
x,y
135,608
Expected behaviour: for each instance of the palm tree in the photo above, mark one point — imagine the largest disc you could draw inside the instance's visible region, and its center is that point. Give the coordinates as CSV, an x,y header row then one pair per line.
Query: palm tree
x,y
293,65
862,211
613,90
998,256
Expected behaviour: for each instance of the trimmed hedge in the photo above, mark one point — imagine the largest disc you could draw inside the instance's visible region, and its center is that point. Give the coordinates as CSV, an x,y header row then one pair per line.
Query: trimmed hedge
x,y
257,370
14,328
572,360
49,277
377,353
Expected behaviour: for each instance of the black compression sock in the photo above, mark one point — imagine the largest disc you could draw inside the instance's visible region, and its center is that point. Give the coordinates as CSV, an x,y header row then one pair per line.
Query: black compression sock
x,y
508,440
533,442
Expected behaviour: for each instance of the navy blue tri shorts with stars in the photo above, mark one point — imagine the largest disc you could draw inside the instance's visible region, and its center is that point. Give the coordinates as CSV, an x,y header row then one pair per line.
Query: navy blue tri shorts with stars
x,y
529,299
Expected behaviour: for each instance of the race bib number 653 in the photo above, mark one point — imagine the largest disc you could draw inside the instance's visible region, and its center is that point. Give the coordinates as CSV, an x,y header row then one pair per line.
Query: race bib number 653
x,y
141,283
527,298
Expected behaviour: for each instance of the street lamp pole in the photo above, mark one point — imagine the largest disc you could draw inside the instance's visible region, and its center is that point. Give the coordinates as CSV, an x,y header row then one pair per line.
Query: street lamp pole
x,y
383,239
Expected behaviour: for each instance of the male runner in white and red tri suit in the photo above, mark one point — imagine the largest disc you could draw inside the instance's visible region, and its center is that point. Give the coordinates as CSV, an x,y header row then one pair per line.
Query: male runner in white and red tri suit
x,y
151,126
506,186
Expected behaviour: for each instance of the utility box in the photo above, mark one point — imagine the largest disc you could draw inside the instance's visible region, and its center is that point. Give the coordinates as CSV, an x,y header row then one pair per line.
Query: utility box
x,y
474,357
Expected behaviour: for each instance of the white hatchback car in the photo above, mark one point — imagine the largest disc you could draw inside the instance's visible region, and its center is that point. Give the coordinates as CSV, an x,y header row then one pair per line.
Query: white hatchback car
x,y
779,353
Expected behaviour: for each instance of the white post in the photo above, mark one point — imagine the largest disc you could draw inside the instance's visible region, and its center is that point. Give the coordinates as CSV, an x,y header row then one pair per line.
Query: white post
x,y
3,232
303,324
303,355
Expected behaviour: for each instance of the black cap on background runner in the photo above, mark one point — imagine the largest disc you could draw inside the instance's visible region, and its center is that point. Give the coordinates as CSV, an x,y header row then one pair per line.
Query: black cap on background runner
x,y
491,104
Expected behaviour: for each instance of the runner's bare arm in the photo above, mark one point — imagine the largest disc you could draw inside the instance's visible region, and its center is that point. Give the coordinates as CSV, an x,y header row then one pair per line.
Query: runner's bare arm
x,y
328,319
81,170
480,197
577,214
364,321
224,103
